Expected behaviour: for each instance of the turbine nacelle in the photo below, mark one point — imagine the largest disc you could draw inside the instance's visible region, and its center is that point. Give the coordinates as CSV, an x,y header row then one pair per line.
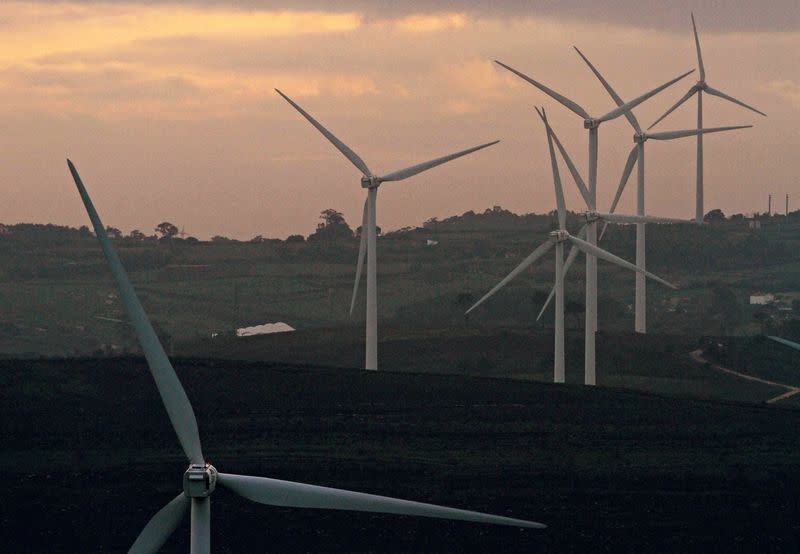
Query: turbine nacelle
x,y
591,123
639,138
560,236
200,480
370,182
591,216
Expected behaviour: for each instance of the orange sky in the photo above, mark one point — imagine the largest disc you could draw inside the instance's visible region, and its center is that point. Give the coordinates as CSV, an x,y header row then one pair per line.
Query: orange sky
x,y
169,111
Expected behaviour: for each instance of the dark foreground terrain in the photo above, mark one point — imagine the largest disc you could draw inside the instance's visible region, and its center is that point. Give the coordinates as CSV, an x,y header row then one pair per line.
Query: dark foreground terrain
x,y
88,456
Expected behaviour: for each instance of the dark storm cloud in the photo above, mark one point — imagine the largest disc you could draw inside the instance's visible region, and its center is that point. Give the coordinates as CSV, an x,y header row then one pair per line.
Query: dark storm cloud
x,y
714,15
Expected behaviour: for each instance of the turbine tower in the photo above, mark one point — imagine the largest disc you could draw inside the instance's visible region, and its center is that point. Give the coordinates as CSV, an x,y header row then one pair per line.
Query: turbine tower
x,y
637,156
699,88
557,239
201,478
371,182
591,124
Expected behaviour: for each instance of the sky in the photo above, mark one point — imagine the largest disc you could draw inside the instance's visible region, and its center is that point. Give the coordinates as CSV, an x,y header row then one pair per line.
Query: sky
x,y
169,111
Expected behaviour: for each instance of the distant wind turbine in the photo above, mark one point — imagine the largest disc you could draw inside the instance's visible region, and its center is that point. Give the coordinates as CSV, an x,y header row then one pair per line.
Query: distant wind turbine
x,y
201,478
699,88
367,246
637,156
557,239
591,124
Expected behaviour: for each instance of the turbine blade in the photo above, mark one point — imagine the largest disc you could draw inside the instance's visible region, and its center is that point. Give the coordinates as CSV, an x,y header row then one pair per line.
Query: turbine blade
x,y
550,92
614,96
626,173
275,492
609,257
532,257
560,202
571,166
619,218
669,135
401,174
720,94
785,342
616,112
169,386
362,249
573,253
161,526
340,146
699,55
683,99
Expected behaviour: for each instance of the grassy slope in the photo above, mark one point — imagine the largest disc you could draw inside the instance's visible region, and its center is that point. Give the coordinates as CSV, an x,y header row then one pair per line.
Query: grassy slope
x,y
88,456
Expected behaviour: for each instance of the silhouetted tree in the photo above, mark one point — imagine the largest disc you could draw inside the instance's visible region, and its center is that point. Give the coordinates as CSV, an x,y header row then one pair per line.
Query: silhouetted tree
x,y
137,235
714,216
113,232
294,239
332,226
166,229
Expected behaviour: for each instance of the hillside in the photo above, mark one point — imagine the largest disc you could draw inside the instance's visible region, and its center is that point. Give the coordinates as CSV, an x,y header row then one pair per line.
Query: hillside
x,y
88,456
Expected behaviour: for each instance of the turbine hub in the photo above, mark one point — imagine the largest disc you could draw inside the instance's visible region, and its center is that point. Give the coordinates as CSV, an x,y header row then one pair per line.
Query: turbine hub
x,y
560,235
639,137
591,216
199,480
370,182
590,123
701,85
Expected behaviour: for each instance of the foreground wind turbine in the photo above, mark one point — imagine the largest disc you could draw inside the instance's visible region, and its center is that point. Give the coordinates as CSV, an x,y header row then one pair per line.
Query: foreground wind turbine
x,y
637,156
699,88
557,239
201,478
371,182
592,124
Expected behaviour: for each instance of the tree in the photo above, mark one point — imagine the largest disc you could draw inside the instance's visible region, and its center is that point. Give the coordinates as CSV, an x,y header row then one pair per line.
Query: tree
x,y
166,229
332,227
84,232
714,216
113,232
257,239
725,306
220,238
136,235
294,239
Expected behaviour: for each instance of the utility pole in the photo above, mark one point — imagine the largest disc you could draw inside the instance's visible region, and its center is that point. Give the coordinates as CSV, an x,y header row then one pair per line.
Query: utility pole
x,y
787,206
769,206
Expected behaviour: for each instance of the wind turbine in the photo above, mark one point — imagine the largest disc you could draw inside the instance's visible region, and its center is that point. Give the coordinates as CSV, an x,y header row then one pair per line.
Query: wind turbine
x,y
371,182
557,239
591,124
637,156
200,480
699,88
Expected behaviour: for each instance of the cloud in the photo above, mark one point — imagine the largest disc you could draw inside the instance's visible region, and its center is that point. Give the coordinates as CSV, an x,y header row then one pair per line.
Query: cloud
x,y
713,15
787,89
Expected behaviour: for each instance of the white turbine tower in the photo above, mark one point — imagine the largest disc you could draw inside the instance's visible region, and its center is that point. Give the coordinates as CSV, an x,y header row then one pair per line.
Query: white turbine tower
x,y
699,88
557,239
371,182
637,156
591,124
200,479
